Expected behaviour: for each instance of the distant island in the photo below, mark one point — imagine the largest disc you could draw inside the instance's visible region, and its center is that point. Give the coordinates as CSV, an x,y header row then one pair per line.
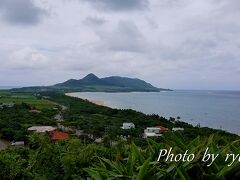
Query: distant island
x,y
92,83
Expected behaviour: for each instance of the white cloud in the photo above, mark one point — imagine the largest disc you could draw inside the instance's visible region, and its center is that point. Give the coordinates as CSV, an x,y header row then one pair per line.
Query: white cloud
x,y
27,58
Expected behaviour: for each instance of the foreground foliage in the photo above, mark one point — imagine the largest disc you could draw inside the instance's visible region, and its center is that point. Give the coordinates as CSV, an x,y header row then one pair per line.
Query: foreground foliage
x,y
74,159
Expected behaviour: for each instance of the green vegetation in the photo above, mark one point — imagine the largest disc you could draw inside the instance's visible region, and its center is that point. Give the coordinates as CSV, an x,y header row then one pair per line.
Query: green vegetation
x,y
114,157
14,121
18,98
75,159
35,102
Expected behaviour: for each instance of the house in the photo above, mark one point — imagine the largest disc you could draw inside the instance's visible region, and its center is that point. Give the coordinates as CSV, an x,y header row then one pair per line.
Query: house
x,y
58,136
11,104
17,143
177,129
98,140
46,97
35,111
128,126
40,129
162,129
154,131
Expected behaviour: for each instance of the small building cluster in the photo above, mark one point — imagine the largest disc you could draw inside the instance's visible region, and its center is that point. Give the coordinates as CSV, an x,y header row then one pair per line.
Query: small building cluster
x,y
156,131
9,105
54,134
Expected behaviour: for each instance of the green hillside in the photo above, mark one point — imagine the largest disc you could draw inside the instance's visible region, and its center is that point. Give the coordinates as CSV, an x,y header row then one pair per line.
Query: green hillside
x,y
113,83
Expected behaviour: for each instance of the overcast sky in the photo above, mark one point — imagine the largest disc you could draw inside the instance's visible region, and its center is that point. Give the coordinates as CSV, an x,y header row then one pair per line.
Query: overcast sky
x,y
178,44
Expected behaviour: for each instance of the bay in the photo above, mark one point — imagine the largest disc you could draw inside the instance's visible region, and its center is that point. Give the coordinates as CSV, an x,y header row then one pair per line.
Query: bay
x,y
215,109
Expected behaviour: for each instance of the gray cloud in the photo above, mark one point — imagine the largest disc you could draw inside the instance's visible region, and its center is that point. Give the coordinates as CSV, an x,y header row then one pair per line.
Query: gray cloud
x,y
179,44
94,21
21,12
125,37
119,5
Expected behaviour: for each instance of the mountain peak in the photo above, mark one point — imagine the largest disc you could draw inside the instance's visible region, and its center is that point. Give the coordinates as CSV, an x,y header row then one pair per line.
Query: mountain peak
x,y
90,76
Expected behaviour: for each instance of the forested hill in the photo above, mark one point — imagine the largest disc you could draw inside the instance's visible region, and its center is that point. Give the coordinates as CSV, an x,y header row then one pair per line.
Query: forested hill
x,y
112,83
92,83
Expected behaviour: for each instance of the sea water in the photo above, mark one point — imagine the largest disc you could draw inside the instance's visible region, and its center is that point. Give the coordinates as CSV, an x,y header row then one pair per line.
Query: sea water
x,y
215,109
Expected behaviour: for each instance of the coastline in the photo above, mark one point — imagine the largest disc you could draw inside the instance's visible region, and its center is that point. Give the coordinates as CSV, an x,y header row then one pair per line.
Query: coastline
x,y
94,101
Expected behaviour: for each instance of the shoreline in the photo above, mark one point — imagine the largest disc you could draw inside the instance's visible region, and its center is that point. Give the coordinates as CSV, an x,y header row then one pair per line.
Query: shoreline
x,y
94,101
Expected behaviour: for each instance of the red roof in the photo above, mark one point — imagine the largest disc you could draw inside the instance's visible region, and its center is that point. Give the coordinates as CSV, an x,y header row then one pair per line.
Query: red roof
x,y
162,128
58,135
35,111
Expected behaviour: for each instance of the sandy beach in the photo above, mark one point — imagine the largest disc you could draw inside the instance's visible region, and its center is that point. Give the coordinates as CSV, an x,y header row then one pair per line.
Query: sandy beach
x,y
95,101
98,102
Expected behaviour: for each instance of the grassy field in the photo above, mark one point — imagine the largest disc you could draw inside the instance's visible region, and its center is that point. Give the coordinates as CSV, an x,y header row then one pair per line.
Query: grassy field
x,y
18,98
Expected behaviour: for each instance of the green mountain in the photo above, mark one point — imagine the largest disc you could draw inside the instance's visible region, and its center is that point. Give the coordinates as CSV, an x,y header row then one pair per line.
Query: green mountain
x,y
92,83
111,84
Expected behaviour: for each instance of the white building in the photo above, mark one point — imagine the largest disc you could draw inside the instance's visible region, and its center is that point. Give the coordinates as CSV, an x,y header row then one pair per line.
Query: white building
x,y
128,126
7,105
177,129
41,128
17,143
152,132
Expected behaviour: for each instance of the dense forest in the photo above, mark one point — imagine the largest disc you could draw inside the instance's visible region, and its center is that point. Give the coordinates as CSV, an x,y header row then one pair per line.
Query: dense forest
x,y
114,157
